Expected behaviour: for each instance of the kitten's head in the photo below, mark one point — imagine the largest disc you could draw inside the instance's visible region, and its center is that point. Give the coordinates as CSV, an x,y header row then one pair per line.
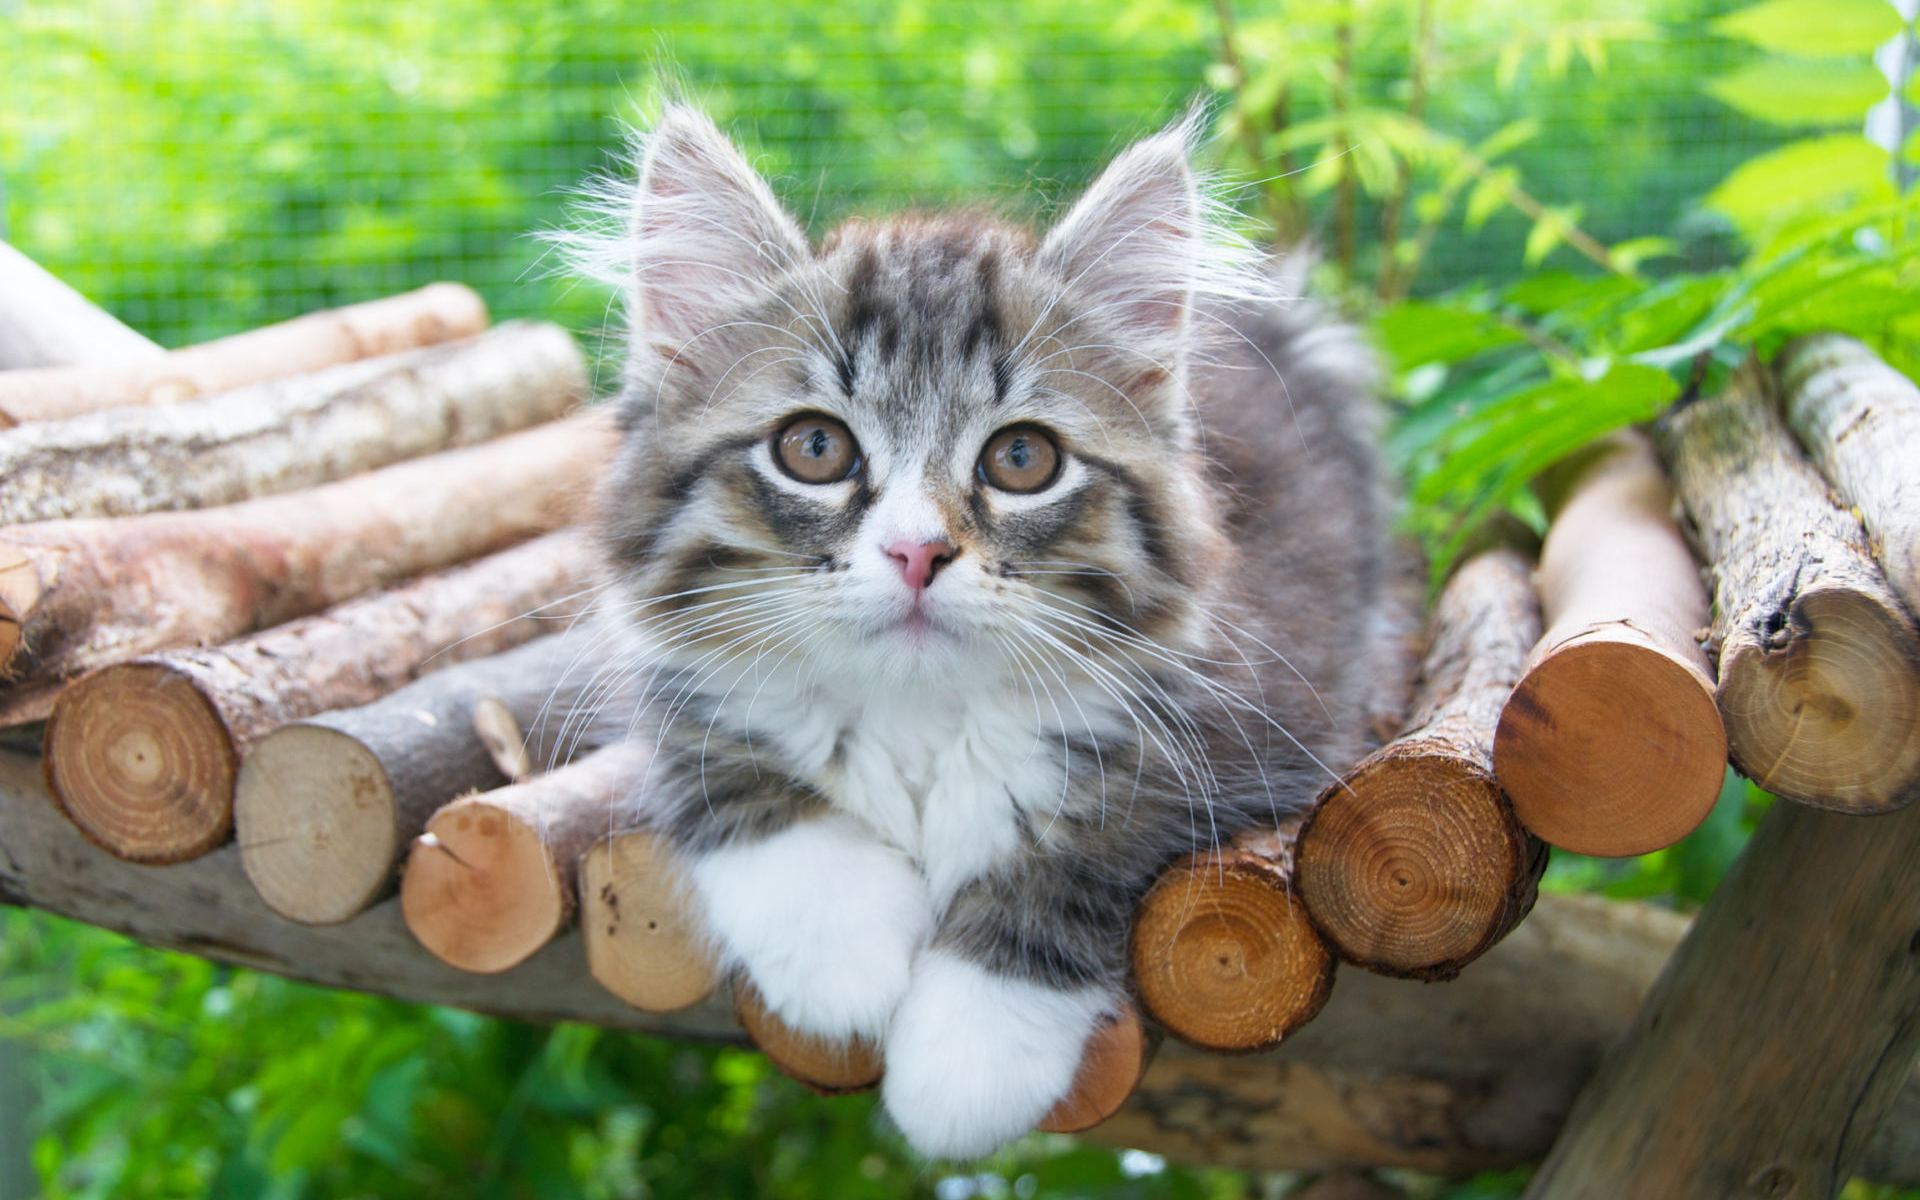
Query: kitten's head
x,y
935,447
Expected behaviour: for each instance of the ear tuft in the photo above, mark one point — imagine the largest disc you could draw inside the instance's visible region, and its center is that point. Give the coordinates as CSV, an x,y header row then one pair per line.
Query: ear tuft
x,y
1146,238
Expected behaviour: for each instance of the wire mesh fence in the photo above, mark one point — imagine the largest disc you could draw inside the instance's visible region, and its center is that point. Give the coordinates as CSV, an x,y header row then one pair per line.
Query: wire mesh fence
x,y
206,166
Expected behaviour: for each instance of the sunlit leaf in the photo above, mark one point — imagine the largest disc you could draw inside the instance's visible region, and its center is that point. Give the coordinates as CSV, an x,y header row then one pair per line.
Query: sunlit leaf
x,y
1796,93
1815,173
1824,28
1416,333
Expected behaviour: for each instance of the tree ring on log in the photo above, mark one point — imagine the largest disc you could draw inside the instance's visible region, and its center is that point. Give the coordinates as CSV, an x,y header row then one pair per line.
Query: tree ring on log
x,y
828,1068
142,764
1557,751
1820,711
1414,866
641,942
1224,955
313,810
481,890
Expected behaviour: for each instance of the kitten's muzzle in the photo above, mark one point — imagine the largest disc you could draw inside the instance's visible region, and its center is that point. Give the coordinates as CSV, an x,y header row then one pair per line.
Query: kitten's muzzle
x,y
919,562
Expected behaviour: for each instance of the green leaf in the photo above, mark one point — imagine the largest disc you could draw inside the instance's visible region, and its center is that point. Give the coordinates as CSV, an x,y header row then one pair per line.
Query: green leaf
x,y
1548,232
1813,173
1416,333
1814,28
1798,93
1508,137
1489,195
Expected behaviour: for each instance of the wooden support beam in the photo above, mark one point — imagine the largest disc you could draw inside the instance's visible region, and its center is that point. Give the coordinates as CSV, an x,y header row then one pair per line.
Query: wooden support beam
x,y
1819,660
45,323
291,433
1778,1037
438,312
1413,863
1611,744
1451,1078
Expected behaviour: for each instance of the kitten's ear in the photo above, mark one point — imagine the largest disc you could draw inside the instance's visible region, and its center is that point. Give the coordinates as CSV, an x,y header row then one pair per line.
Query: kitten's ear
x,y
706,234
1134,243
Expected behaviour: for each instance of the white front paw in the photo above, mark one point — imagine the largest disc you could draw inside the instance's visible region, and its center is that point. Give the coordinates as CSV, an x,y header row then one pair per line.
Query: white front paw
x,y
824,919
975,1059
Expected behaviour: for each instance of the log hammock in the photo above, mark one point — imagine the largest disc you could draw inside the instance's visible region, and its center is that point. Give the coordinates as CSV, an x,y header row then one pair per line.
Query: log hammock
x,y
278,624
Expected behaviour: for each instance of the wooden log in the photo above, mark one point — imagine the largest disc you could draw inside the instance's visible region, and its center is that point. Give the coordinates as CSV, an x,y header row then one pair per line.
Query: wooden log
x,y
1224,956
1346,1185
1819,662
1860,422
143,755
1413,864
438,312
1779,1034
492,879
291,433
643,942
45,323
323,807
1111,1067
80,594
827,1068
1473,1075
1611,744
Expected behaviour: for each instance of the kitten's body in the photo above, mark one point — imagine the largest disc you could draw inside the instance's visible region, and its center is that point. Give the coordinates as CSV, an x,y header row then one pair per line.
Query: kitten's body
x,y
922,807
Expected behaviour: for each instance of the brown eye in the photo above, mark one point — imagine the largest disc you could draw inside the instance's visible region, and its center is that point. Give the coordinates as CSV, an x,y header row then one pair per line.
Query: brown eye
x,y
816,449
1023,458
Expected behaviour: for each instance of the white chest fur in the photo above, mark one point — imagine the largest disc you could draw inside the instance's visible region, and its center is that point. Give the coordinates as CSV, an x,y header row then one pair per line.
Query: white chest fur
x,y
953,781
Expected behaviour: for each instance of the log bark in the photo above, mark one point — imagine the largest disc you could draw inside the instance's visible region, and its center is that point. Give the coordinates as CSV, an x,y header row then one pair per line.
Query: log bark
x,y
292,433
324,806
1611,744
1777,1038
45,323
1224,956
1413,864
80,594
438,312
1860,422
642,941
493,877
1469,1075
1819,662
143,755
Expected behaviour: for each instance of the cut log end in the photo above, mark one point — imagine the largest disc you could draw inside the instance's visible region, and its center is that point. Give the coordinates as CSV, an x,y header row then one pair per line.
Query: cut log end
x,y
141,762
19,593
314,813
1416,865
1224,955
641,944
481,889
1111,1066
829,1068
1611,746
1824,704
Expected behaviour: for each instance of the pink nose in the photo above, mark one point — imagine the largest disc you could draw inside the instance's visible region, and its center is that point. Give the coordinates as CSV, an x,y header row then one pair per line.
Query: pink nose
x,y
920,561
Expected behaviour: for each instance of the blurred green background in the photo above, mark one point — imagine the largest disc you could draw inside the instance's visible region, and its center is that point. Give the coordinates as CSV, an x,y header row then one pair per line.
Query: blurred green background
x,y
1531,199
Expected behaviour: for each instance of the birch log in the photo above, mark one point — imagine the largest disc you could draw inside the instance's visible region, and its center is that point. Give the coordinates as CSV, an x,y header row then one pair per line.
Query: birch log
x,y
827,1068
1611,744
643,939
1413,864
1224,955
323,807
143,755
292,433
1470,1075
1819,662
436,313
1860,421
492,879
75,595
45,323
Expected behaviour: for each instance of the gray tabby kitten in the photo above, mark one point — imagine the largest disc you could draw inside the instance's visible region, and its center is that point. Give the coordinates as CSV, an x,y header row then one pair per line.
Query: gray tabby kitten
x,y
973,579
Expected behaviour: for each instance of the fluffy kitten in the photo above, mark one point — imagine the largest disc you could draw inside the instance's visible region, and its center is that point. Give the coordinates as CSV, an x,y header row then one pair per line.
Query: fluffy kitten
x,y
974,578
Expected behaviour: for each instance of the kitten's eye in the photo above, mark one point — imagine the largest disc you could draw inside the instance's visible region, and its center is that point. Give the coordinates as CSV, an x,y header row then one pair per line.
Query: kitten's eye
x,y
1020,458
816,449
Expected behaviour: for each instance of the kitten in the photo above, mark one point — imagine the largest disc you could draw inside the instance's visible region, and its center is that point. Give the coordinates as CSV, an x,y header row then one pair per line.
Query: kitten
x,y
975,578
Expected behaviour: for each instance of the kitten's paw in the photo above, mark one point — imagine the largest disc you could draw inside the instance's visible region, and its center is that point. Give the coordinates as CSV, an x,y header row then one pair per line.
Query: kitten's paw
x,y
975,1059
824,919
